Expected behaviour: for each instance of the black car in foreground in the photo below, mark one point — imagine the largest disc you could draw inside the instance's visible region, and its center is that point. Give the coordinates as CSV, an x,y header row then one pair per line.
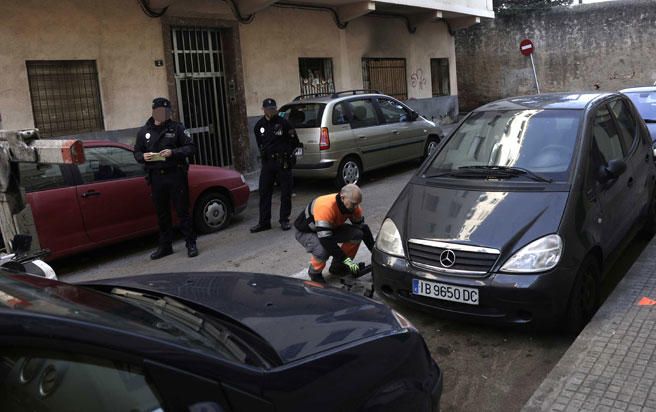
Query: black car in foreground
x,y
520,211
206,342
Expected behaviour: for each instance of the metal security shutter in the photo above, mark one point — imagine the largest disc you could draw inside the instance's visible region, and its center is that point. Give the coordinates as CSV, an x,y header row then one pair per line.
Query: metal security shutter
x,y
388,76
202,99
65,96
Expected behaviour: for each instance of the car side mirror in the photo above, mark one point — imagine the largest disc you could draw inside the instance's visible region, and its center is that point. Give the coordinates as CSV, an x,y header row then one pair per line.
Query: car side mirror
x,y
612,170
414,116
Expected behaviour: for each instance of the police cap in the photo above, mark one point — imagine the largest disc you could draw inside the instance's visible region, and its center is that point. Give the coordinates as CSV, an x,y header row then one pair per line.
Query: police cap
x,y
161,102
269,104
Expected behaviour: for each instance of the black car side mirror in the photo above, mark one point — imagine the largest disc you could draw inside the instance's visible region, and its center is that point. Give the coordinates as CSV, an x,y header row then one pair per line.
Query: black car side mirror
x,y
612,170
413,116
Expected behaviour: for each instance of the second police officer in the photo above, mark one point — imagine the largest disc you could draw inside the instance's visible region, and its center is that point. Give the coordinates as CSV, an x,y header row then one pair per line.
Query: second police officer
x,y
277,142
164,147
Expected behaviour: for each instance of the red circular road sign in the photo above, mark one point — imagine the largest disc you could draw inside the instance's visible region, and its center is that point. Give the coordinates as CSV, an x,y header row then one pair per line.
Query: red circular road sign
x,y
526,47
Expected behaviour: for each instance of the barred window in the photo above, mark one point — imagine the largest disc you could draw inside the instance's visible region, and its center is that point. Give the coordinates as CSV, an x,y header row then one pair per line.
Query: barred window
x,y
388,76
65,96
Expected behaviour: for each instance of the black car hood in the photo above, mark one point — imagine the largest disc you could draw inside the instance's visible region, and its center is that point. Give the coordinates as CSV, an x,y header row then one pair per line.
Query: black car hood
x,y
504,220
296,319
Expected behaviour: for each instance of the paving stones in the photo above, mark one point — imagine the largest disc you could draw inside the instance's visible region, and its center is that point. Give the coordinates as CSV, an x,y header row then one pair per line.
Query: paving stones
x,y
612,365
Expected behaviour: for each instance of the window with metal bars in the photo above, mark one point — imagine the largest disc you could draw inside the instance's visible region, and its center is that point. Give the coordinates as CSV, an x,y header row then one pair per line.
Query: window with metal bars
x,y
65,96
386,75
440,77
316,75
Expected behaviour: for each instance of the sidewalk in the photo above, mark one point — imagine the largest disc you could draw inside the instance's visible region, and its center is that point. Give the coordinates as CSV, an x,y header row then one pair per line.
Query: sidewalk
x,y
611,365
252,178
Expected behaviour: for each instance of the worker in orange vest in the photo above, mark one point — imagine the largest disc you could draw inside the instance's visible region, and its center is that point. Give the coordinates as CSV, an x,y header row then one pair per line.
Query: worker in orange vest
x,y
322,227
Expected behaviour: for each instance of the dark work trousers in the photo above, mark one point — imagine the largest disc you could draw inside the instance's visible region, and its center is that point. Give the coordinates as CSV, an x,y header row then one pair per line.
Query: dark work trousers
x,y
169,188
272,171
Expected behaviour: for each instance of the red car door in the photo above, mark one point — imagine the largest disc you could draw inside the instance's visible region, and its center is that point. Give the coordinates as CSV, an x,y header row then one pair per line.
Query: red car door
x,y
53,200
114,198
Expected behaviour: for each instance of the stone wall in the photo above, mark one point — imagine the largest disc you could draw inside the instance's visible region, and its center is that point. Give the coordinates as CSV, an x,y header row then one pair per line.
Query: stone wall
x,y
603,46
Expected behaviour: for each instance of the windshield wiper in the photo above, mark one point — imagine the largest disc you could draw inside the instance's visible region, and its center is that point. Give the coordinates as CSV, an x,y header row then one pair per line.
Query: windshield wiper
x,y
190,318
511,170
490,171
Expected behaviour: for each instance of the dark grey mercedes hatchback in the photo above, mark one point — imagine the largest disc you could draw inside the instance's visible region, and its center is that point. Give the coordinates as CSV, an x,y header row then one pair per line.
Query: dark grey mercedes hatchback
x,y
518,213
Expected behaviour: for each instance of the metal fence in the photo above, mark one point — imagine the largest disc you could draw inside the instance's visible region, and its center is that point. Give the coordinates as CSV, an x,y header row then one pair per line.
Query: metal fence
x,y
65,96
202,95
385,75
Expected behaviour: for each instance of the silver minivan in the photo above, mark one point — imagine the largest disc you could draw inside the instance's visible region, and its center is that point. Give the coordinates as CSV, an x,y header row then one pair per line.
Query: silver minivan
x,y
346,133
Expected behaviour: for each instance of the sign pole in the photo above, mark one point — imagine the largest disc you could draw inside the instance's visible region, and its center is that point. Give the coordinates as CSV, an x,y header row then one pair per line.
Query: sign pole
x,y
526,47
535,74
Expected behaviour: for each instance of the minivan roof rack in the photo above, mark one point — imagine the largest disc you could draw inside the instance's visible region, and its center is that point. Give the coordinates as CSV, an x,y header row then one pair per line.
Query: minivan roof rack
x,y
335,94
354,92
312,95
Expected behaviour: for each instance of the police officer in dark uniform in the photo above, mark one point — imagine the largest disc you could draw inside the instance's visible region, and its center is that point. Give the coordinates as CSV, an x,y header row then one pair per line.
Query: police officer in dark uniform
x,y
277,141
164,147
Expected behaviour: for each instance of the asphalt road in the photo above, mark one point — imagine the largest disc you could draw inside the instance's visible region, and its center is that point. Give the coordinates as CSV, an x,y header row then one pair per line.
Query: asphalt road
x,y
485,368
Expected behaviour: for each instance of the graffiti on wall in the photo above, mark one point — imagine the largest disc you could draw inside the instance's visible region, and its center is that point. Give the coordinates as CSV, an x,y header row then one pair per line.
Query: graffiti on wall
x,y
417,79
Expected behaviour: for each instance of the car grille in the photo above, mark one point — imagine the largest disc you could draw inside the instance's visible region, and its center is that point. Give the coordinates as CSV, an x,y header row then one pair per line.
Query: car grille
x,y
469,260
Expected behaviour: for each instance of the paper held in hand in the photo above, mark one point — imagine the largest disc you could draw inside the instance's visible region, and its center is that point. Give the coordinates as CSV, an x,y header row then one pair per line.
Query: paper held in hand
x,y
156,157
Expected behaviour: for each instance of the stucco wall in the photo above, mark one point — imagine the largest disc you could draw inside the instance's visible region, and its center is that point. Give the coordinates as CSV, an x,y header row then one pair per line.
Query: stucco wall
x,y
606,45
277,38
123,41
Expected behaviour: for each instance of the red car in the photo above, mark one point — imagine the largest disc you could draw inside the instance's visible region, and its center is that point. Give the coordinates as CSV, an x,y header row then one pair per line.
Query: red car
x,y
107,200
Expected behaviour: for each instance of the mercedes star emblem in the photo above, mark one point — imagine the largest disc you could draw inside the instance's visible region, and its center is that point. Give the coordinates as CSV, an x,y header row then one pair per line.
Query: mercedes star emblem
x,y
447,258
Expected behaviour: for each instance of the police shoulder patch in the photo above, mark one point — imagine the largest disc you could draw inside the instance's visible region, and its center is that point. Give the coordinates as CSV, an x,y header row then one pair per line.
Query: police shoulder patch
x,y
187,133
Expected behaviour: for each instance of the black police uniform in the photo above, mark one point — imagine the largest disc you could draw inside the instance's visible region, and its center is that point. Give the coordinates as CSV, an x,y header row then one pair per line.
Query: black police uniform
x,y
277,141
168,179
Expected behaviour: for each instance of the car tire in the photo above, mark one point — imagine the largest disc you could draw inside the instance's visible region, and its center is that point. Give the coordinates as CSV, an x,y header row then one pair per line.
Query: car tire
x,y
212,212
349,171
584,298
431,145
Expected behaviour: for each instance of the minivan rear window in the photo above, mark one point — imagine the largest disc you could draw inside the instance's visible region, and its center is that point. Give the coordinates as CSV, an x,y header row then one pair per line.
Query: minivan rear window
x,y
541,141
303,115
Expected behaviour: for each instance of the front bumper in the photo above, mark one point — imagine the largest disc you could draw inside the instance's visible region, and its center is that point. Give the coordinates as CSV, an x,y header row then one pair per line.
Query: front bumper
x,y
240,197
503,298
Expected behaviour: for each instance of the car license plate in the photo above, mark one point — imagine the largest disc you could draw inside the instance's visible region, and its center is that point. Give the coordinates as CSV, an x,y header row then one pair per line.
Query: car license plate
x,y
443,291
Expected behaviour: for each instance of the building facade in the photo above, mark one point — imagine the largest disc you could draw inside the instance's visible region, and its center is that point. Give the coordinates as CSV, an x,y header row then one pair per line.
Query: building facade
x,y
90,68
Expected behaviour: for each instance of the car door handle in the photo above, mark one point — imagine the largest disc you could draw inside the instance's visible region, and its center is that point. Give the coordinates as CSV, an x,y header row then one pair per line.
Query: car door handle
x,y
362,137
630,182
90,193
395,131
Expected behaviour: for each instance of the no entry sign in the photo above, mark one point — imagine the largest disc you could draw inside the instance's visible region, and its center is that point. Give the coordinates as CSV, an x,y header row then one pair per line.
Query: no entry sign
x,y
526,47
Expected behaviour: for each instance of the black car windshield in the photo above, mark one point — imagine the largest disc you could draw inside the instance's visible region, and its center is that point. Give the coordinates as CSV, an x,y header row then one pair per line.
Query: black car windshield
x,y
44,296
646,104
524,144
303,115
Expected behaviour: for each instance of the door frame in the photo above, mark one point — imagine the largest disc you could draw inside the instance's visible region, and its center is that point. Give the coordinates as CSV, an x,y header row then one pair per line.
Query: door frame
x,y
234,78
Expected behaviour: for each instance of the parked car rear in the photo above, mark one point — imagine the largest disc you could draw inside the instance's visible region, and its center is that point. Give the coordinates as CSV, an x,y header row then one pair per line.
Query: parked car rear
x,y
345,134
644,98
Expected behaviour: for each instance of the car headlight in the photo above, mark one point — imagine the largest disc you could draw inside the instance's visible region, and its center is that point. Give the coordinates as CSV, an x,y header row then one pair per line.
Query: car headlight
x,y
389,240
538,256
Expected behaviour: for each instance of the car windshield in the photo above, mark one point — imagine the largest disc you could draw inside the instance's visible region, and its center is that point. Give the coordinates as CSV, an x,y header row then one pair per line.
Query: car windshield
x,y
40,295
646,104
303,115
534,144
